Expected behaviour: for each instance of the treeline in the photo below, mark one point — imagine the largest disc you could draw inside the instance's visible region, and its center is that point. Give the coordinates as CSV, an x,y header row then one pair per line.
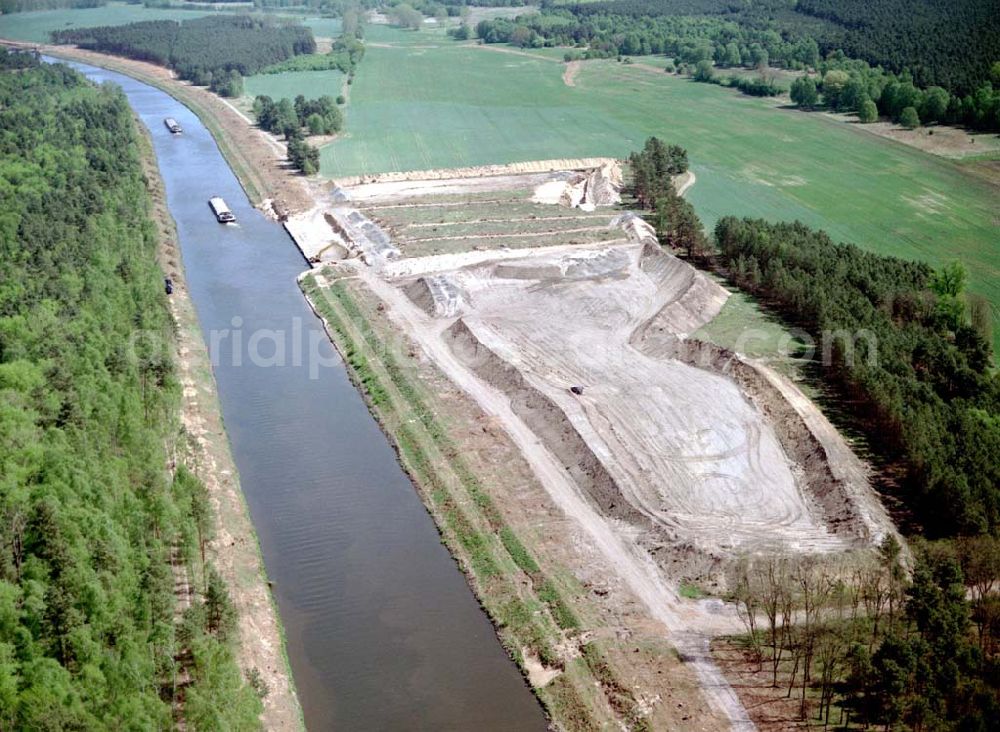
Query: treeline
x,y
847,85
209,51
93,528
898,344
653,171
951,45
951,49
294,120
345,55
858,643
608,30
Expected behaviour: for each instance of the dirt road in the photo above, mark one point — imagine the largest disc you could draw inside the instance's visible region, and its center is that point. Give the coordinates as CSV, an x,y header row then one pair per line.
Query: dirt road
x,y
569,74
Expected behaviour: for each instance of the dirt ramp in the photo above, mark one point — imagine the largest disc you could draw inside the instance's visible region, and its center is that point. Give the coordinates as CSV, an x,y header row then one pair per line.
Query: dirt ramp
x,y
636,228
547,420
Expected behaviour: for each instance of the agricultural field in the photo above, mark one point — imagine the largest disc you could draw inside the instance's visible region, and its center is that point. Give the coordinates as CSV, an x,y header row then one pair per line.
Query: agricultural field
x,y
433,104
310,84
36,26
322,27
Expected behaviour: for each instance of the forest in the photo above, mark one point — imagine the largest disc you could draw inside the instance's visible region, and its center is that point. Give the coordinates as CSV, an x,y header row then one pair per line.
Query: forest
x,y
888,639
904,346
203,48
96,516
952,45
872,643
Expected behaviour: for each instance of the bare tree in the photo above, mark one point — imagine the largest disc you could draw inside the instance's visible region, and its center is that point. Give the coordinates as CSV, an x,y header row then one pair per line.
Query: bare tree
x,y
773,580
747,607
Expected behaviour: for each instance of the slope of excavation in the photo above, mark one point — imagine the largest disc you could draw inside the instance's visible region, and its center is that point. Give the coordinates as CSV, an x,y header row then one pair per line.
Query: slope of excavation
x,y
673,449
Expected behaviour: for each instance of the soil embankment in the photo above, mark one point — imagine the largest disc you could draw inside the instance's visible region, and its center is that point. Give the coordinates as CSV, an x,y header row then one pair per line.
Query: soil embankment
x,y
478,171
546,420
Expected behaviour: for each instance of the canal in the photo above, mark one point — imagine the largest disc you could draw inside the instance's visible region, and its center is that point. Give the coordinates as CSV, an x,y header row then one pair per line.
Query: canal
x,y
383,631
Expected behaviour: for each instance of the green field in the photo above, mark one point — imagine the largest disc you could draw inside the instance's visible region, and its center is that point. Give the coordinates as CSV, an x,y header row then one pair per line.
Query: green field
x,y
447,105
310,84
322,27
36,26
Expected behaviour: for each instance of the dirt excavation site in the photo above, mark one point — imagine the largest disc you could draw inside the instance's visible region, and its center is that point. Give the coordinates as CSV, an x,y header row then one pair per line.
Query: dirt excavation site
x,y
555,310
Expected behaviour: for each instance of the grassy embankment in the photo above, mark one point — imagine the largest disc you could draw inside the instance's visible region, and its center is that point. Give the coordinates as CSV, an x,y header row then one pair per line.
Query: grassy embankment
x,y
203,446
529,609
448,105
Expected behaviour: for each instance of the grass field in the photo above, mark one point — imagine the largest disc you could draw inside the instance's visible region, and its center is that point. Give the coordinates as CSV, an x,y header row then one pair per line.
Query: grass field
x,y
311,84
433,104
36,26
322,27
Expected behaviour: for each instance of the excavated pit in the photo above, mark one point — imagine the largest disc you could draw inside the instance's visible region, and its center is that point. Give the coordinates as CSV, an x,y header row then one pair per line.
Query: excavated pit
x,y
546,420
691,446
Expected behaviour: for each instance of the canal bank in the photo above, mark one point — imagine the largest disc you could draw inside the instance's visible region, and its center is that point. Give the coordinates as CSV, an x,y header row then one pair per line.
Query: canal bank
x,y
382,630
203,446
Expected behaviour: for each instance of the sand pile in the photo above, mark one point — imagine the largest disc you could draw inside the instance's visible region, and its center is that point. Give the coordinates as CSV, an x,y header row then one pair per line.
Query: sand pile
x,y
600,186
439,296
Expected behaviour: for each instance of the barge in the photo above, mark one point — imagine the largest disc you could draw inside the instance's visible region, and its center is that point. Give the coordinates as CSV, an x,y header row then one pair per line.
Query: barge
x,y
221,210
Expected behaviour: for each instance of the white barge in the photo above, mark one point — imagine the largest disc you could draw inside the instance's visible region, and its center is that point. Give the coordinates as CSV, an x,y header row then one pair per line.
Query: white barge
x,y
221,210
173,125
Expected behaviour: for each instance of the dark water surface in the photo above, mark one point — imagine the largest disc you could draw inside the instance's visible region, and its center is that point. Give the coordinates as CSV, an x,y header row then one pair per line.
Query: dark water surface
x,y
383,632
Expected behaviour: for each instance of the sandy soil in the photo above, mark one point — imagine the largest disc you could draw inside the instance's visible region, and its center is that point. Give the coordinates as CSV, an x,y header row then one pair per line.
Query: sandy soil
x,y
234,551
569,74
948,142
676,457
655,442
360,187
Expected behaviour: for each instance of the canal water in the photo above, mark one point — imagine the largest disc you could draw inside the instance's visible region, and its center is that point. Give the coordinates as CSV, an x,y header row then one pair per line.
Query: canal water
x,y
383,631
